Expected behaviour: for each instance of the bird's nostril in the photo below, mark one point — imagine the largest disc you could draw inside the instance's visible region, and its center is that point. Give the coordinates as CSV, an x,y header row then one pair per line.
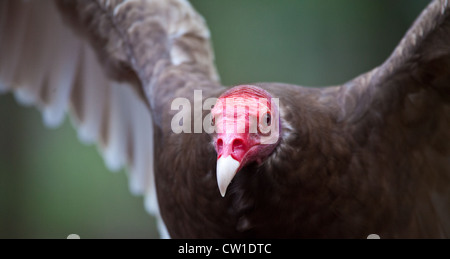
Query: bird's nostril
x,y
219,146
238,144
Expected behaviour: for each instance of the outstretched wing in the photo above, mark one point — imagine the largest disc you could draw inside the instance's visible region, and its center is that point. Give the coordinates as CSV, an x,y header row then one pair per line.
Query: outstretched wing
x,y
400,114
106,71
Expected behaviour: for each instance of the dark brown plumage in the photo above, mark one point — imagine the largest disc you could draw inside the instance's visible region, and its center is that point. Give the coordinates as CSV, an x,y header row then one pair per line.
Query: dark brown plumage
x,y
370,156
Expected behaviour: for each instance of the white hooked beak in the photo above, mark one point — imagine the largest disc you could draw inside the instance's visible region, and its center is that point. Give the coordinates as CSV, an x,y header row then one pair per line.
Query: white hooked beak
x,y
226,170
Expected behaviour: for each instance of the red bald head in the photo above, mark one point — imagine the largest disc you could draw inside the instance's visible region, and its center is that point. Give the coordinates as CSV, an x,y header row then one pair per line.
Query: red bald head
x,y
246,119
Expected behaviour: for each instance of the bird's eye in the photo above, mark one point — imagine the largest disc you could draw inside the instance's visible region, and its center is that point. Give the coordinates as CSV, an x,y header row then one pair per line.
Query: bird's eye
x,y
267,118
264,124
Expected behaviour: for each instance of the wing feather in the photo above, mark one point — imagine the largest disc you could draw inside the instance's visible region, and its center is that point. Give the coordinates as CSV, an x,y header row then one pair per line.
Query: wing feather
x,y
103,72
401,110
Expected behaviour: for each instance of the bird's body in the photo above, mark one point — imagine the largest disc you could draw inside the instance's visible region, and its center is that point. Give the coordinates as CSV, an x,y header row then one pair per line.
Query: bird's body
x,y
369,156
340,188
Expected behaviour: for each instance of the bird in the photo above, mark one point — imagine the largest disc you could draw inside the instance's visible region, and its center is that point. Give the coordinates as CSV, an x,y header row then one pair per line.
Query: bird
x,y
274,160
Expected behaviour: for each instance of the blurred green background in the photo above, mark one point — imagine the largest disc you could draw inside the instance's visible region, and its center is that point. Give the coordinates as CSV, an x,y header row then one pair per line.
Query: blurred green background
x,y
52,186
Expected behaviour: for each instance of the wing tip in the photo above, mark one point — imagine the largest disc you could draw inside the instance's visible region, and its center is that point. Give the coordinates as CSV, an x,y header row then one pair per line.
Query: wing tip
x,y
112,160
3,87
24,97
53,118
85,135
136,186
162,228
151,202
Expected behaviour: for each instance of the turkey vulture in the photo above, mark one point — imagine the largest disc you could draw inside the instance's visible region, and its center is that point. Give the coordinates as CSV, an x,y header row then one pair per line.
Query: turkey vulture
x,y
369,156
